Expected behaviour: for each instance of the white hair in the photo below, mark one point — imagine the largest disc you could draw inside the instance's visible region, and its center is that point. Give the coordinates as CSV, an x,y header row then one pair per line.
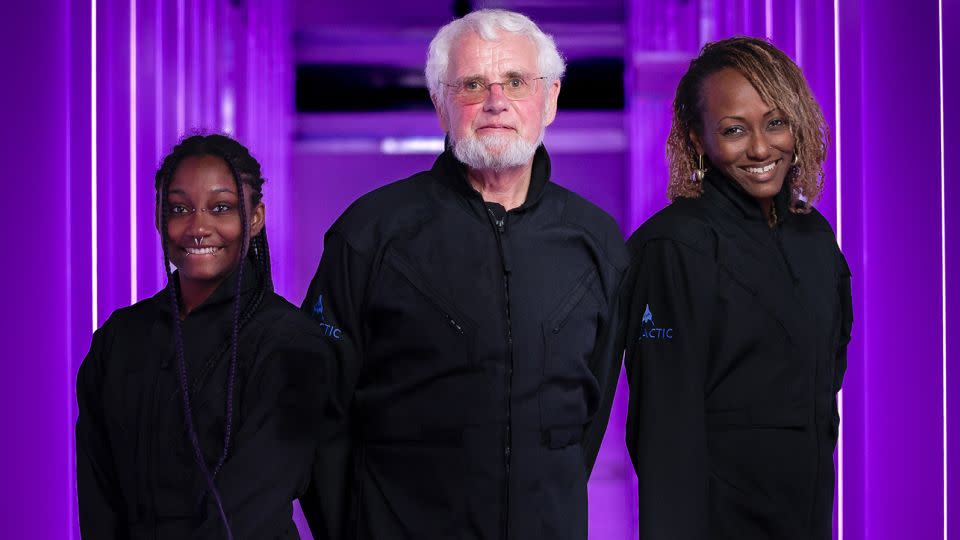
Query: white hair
x,y
488,24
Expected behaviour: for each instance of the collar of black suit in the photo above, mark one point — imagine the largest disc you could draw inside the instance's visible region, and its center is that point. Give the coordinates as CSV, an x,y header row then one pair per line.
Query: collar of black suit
x,y
738,200
454,173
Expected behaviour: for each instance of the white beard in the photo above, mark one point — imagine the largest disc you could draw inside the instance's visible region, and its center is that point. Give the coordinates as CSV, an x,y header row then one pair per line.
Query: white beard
x,y
495,152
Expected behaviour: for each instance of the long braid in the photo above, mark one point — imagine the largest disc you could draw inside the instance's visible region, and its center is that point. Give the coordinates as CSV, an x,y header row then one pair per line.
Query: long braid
x,y
235,335
261,259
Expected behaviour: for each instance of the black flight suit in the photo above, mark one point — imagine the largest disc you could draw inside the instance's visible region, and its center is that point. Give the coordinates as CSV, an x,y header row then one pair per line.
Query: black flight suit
x,y
136,473
736,348
478,356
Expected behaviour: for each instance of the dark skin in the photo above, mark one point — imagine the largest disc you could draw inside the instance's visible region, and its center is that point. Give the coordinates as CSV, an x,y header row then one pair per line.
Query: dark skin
x,y
203,226
743,137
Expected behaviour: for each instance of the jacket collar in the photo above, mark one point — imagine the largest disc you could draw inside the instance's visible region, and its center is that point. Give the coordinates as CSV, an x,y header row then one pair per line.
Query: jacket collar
x,y
221,297
454,174
741,202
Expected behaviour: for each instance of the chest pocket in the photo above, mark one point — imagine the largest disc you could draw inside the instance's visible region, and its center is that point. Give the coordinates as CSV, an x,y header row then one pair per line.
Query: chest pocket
x,y
569,336
419,330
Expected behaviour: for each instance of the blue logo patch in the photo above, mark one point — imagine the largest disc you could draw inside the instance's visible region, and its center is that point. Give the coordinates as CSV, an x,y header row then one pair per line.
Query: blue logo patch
x,y
649,329
330,330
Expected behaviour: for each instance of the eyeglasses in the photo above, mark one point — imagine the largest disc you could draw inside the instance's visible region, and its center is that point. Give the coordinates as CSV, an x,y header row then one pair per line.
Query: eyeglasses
x,y
472,91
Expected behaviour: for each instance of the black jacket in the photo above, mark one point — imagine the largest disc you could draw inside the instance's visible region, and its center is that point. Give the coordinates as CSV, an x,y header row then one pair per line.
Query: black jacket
x,y
477,355
736,348
136,474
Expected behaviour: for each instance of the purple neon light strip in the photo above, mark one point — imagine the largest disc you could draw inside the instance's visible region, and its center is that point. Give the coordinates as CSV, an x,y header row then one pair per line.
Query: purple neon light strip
x,y
133,151
69,330
181,70
943,265
798,32
837,138
768,19
94,292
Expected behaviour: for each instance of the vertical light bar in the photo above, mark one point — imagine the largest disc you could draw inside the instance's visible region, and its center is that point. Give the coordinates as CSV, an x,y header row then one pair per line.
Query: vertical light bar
x,y
837,139
133,151
943,268
836,97
181,71
708,22
69,382
93,163
768,18
798,32
158,89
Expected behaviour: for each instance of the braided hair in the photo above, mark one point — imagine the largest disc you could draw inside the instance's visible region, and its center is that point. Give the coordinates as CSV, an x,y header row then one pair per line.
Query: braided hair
x,y
245,171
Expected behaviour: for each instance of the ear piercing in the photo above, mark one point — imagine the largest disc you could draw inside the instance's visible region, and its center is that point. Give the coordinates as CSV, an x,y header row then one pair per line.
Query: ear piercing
x,y
700,171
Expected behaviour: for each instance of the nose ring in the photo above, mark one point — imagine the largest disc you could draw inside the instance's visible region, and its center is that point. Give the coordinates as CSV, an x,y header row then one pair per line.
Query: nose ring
x,y
198,240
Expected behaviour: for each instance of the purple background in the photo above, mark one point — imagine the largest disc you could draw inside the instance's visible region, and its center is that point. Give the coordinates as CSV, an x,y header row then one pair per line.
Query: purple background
x,y
96,101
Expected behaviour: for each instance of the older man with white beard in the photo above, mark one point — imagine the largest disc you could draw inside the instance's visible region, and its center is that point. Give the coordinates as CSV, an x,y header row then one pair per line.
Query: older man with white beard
x,y
472,312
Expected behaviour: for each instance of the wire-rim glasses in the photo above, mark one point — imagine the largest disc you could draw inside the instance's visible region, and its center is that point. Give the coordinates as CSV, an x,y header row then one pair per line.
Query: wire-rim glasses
x,y
473,90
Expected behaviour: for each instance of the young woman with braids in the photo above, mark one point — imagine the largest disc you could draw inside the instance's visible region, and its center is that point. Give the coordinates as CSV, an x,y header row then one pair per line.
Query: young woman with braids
x,y
200,408
739,311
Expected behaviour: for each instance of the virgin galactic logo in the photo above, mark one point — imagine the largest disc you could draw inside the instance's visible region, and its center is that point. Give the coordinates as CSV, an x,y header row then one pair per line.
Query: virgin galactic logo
x,y
329,330
650,329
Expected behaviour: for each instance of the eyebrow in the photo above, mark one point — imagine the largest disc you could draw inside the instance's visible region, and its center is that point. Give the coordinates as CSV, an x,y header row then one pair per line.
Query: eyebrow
x,y
507,75
742,119
216,190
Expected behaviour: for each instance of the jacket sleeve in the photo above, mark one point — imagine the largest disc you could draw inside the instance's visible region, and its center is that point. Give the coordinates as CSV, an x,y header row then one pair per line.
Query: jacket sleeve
x,y
274,444
100,502
334,300
671,292
605,363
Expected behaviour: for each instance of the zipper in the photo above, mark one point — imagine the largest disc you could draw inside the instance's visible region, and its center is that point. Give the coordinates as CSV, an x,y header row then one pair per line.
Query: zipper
x,y
408,273
817,427
500,228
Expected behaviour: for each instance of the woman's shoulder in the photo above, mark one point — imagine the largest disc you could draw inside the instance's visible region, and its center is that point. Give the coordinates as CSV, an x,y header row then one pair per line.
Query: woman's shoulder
x,y
813,221
282,324
132,318
683,222
122,338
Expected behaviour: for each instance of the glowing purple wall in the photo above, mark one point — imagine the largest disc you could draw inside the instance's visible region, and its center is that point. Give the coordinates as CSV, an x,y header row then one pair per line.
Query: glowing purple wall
x,y
35,395
78,165
97,93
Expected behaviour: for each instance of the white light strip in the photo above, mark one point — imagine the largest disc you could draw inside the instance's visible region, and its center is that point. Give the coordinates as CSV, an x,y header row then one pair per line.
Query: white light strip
x,y
943,270
94,292
411,145
768,18
836,97
133,151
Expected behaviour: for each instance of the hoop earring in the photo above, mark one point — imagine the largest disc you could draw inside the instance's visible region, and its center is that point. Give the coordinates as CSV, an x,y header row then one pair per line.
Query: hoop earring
x,y
700,172
796,159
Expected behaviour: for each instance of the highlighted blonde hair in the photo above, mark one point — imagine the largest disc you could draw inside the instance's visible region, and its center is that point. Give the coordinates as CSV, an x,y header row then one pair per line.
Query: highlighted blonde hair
x,y
780,84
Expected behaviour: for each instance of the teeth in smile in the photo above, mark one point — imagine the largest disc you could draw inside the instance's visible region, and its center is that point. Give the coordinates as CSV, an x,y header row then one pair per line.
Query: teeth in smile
x,y
201,251
761,170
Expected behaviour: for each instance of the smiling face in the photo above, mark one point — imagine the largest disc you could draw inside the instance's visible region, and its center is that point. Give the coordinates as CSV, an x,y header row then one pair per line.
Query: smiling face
x,y
743,137
499,130
203,222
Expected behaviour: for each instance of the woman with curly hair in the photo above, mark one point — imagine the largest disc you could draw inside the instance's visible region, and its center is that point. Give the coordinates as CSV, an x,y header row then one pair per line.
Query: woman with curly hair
x,y
739,311
200,408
